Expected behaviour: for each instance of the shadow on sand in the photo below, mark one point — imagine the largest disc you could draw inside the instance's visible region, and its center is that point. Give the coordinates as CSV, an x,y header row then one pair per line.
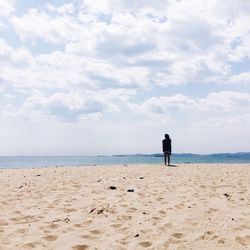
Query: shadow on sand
x,y
172,165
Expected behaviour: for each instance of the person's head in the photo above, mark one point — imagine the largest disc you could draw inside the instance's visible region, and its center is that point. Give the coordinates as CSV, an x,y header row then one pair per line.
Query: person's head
x,y
166,136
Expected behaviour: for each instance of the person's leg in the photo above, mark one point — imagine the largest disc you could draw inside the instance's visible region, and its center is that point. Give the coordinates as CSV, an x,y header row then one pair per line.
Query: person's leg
x,y
165,158
168,160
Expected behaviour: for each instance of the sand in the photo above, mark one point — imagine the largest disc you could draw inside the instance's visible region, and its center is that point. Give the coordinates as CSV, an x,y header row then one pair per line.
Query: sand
x,y
190,206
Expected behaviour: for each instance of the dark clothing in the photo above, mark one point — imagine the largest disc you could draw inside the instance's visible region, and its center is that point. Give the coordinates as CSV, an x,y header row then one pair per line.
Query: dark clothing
x,y
166,146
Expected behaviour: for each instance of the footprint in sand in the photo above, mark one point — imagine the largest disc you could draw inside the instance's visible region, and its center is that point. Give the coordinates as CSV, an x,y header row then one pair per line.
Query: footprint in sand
x,y
126,217
206,235
87,222
244,241
77,225
95,231
162,212
15,219
166,244
241,192
53,226
167,226
221,241
122,248
123,230
124,205
70,210
132,209
178,235
116,225
28,246
76,186
215,237
160,199
212,210
88,237
4,223
179,206
156,218
80,247
145,244
50,238
21,231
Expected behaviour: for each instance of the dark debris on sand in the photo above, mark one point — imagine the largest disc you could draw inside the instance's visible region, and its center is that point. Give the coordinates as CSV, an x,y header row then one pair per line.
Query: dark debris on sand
x,y
131,190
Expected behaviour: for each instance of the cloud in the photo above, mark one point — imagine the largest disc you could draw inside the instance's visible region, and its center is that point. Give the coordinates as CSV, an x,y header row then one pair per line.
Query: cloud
x,y
241,78
160,43
68,8
6,7
129,49
67,107
226,101
2,87
162,104
66,70
7,53
236,124
111,6
39,24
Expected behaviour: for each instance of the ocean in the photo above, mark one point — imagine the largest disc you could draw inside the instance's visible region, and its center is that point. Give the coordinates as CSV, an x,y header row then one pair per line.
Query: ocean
x,y
49,161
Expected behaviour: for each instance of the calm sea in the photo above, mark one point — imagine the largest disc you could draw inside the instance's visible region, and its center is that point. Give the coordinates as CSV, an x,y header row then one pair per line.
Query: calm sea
x,y
48,161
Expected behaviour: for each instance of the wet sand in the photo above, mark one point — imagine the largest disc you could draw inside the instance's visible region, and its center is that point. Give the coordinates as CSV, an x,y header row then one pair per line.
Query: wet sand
x,y
192,206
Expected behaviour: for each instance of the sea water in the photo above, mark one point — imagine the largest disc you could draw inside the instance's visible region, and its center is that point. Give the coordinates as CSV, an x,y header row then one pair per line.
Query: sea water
x,y
49,161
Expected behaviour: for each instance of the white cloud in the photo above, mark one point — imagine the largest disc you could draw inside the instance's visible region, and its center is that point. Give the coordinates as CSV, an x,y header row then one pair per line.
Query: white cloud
x,y
2,87
68,8
57,29
6,7
111,6
236,124
226,101
21,55
162,43
66,70
163,104
241,78
159,43
68,107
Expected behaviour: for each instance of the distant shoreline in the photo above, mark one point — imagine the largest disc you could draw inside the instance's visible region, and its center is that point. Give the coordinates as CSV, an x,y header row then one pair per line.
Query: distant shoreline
x,y
136,155
183,154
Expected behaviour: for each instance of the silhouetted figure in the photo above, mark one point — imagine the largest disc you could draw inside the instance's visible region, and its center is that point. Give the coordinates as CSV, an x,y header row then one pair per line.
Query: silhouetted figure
x,y
166,148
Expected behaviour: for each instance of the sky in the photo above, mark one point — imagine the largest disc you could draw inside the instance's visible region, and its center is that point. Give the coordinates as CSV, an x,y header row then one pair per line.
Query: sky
x,y
88,77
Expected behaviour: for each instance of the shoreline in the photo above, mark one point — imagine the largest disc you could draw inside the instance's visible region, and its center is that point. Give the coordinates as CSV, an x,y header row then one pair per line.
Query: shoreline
x,y
191,206
53,161
128,165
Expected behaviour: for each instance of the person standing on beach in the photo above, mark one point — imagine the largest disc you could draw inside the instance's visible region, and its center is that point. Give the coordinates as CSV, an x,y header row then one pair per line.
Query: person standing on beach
x,y
166,148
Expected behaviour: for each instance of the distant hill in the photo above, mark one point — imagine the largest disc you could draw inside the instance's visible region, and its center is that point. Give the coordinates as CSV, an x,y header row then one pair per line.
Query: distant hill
x,y
186,154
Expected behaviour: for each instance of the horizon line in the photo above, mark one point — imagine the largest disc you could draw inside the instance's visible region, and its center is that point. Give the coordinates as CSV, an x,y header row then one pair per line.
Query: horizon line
x,y
126,154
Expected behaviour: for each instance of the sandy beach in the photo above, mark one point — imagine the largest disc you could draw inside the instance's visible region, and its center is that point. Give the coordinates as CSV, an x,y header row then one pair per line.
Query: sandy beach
x,y
190,206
